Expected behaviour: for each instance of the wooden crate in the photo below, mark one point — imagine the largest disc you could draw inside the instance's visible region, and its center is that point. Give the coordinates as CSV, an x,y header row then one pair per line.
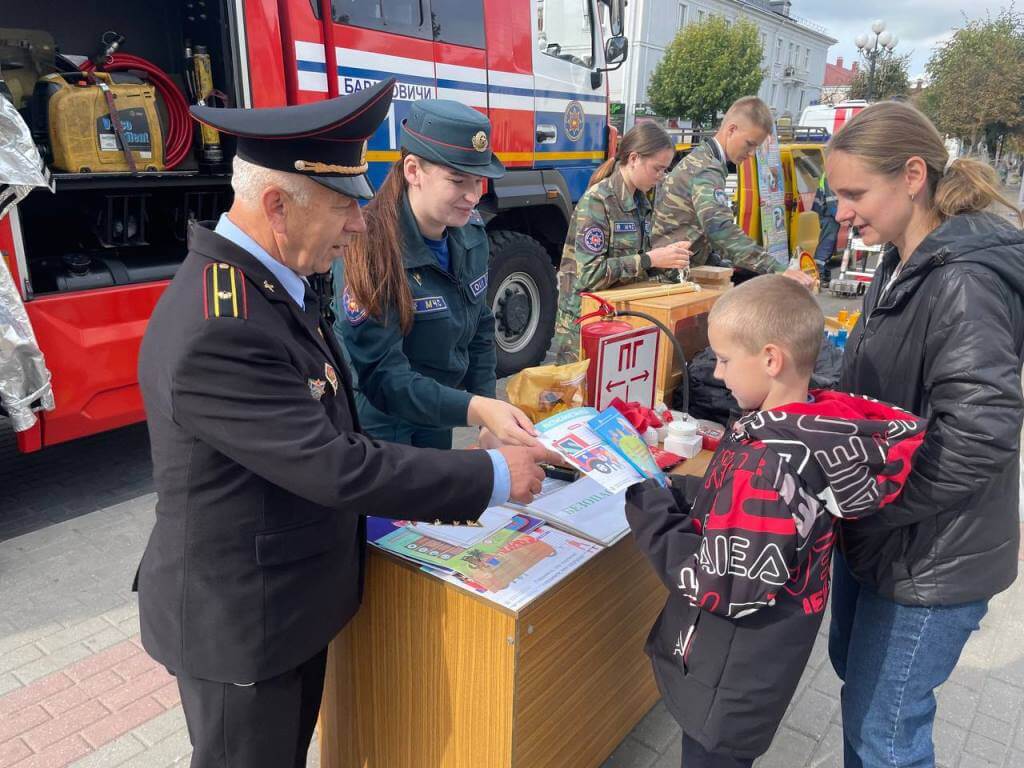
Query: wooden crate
x,y
686,313
719,278
429,675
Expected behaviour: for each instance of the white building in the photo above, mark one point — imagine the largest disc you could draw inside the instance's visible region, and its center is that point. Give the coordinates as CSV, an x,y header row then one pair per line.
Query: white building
x,y
794,49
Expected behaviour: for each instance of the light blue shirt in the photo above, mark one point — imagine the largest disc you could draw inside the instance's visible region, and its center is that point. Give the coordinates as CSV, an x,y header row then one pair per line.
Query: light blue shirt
x,y
292,282
295,285
502,479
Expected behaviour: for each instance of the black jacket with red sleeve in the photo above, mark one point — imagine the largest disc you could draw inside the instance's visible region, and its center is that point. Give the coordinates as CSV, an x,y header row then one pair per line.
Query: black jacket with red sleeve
x,y
746,552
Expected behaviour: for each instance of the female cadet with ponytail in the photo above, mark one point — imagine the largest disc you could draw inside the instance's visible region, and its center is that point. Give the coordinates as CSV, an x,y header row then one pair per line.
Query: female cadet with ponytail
x,y
609,240
414,318
941,335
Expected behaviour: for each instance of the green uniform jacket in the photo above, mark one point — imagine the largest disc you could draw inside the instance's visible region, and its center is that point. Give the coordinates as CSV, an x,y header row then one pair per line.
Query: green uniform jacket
x,y
692,204
427,378
607,245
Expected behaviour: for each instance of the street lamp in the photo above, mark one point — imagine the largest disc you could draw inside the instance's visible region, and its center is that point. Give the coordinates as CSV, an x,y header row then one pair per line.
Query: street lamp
x,y
871,48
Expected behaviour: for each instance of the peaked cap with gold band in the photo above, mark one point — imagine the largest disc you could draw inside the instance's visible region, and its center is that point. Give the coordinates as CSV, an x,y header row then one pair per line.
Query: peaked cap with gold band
x,y
451,134
325,140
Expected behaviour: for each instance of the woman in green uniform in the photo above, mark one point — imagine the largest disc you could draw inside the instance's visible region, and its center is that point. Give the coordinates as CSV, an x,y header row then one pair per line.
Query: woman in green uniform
x,y
413,312
609,243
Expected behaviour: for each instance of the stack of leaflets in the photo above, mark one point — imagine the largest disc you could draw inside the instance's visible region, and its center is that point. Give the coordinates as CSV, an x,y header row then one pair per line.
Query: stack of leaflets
x,y
511,564
511,555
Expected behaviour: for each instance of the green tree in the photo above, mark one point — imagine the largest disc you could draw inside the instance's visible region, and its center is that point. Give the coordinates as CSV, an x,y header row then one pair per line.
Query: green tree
x,y
891,77
977,81
706,68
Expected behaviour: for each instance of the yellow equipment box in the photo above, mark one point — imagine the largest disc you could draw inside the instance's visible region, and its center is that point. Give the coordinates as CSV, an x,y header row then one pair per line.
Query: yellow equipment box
x,y
82,135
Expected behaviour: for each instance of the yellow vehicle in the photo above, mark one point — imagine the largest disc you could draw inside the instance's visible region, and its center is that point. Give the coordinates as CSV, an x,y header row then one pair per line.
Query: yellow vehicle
x,y
802,153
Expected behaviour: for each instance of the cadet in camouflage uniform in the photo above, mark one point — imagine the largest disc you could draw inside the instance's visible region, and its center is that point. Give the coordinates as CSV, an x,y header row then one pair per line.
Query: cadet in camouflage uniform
x,y
608,243
692,204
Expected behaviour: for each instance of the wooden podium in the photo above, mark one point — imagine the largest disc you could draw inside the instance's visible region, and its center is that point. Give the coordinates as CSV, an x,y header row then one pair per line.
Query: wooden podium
x,y
429,675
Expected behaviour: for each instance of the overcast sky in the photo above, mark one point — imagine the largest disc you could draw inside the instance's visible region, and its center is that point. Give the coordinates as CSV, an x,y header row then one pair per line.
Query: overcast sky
x,y
919,24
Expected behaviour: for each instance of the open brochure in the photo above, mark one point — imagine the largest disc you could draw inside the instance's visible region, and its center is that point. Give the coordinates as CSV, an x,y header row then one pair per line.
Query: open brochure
x,y
604,446
584,508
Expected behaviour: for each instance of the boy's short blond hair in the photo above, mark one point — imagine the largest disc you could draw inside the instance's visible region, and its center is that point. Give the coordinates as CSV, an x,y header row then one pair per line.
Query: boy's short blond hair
x,y
753,109
772,309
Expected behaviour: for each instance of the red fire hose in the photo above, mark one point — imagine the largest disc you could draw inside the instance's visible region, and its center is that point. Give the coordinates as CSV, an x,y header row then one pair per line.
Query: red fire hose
x,y
178,140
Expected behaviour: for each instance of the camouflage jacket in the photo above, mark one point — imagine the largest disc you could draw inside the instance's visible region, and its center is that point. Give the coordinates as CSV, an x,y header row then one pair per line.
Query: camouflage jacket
x,y
606,246
692,205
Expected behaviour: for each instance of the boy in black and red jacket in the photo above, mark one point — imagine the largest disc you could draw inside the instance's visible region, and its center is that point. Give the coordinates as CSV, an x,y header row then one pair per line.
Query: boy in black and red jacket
x,y
746,549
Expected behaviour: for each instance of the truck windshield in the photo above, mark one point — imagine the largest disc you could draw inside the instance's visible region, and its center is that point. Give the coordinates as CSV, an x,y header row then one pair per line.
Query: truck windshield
x,y
565,30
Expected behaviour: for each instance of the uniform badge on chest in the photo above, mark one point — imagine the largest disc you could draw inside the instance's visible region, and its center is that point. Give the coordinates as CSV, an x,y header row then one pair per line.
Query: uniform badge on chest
x,y
332,377
317,387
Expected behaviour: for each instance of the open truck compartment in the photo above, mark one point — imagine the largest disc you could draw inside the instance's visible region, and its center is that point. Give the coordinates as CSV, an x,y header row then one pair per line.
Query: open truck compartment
x,y
106,226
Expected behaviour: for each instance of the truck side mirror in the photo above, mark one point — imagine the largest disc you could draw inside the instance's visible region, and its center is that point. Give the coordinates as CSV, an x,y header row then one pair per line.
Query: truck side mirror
x,y
615,52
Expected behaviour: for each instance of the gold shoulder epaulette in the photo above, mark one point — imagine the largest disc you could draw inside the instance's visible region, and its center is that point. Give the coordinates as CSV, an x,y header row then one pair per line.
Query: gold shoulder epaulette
x,y
224,292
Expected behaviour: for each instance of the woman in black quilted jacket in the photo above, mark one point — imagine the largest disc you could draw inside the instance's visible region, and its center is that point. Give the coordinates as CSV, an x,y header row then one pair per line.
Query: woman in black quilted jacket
x,y
941,335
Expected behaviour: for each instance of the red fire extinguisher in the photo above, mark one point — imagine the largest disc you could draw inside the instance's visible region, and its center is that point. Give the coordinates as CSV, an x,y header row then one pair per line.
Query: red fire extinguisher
x,y
591,335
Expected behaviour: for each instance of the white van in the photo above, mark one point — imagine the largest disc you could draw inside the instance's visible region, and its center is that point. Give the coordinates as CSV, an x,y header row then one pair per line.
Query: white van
x,y
831,118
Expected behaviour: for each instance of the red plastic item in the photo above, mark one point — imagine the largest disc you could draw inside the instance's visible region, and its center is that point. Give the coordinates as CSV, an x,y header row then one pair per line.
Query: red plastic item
x,y
178,140
665,459
640,416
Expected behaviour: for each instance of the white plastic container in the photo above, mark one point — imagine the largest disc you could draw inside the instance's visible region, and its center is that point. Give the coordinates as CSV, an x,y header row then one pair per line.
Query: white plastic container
x,y
651,436
682,428
683,439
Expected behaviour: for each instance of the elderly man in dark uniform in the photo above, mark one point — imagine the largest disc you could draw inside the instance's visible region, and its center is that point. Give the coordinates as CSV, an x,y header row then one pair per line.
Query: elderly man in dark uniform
x,y
263,475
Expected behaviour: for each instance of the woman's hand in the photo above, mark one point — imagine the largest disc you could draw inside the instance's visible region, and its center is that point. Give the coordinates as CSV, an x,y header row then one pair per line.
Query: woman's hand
x,y
505,423
671,256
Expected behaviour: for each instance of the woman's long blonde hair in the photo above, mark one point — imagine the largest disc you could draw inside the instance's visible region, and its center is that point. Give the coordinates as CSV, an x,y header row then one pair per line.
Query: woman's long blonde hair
x,y
888,134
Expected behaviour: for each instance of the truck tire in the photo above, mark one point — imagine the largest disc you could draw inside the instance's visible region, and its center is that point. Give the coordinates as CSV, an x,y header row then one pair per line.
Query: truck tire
x,y
523,297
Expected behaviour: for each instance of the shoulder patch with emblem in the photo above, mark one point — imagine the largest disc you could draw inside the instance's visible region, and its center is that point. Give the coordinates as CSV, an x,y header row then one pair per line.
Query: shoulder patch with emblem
x,y
224,292
429,304
593,239
720,196
479,285
354,312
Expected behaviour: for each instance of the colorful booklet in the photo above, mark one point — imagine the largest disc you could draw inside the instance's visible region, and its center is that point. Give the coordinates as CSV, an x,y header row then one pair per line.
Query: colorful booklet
x,y
616,431
603,446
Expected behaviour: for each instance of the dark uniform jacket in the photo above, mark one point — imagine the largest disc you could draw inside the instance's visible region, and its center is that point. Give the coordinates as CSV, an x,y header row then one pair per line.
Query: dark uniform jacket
x,y
746,553
947,341
262,474
427,377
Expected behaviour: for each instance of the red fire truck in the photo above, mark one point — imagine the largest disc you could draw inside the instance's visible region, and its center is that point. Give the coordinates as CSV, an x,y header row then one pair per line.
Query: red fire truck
x,y
92,259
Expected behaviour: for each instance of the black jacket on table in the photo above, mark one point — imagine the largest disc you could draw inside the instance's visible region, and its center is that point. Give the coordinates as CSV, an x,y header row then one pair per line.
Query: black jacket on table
x,y
946,343
263,477
746,550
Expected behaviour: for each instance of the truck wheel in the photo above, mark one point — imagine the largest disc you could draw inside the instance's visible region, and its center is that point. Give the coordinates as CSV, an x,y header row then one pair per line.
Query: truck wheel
x,y
523,297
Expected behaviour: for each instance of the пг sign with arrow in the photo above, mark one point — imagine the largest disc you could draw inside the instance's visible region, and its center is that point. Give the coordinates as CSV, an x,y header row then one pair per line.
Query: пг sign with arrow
x,y
626,366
